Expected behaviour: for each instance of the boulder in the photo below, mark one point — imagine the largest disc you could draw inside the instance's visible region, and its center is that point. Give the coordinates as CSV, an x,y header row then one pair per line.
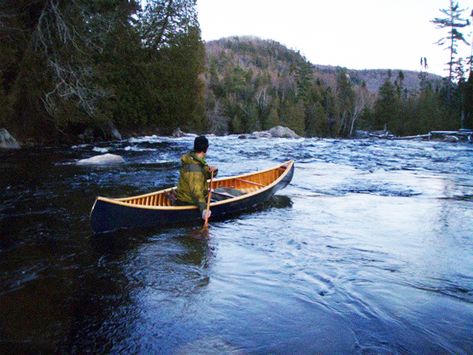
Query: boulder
x,y
282,132
451,139
103,159
7,141
275,132
177,133
381,134
247,136
261,134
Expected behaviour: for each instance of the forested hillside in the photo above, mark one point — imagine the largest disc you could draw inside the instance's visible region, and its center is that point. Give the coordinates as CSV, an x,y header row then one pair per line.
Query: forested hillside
x,y
254,84
73,67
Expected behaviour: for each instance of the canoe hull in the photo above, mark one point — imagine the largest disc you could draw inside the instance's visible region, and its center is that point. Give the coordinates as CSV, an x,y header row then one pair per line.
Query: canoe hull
x,y
107,217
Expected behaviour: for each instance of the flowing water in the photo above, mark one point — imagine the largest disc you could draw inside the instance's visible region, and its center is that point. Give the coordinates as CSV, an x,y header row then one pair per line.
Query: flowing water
x,y
369,250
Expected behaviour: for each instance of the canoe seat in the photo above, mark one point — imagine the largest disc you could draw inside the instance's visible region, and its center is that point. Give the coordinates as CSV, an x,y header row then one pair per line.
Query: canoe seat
x,y
223,193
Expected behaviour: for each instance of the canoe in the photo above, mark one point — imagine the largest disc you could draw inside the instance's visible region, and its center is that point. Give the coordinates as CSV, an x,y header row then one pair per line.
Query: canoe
x,y
232,194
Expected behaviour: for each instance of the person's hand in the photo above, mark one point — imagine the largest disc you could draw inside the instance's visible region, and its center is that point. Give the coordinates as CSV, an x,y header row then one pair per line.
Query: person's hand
x,y
213,169
205,213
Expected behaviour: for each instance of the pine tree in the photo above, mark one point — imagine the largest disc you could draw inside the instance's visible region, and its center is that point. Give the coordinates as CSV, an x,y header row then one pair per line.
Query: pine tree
x,y
316,121
468,102
294,117
386,107
452,21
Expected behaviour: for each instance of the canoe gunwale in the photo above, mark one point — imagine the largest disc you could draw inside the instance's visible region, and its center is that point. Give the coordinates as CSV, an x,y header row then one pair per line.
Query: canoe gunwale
x,y
288,166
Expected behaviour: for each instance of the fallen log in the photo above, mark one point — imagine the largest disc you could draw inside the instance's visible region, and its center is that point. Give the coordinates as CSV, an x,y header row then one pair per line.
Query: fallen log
x,y
447,136
419,136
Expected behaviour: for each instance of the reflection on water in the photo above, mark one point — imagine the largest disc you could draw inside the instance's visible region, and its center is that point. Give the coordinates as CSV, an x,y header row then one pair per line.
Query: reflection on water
x,y
368,250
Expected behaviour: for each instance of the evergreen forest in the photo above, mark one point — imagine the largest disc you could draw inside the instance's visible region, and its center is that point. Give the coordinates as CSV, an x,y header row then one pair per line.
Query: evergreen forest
x,y
69,67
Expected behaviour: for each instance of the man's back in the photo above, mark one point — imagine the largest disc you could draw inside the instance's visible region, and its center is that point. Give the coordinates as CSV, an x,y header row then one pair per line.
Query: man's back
x,y
193,187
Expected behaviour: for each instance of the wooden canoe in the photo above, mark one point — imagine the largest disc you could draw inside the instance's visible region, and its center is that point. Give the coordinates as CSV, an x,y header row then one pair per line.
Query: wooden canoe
x,y
156,209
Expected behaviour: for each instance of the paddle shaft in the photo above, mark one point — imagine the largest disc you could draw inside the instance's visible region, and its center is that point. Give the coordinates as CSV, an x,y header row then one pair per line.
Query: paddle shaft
x,y
207,209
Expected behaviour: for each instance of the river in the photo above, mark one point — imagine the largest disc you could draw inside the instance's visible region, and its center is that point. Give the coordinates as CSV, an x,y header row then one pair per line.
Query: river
x,y
368,250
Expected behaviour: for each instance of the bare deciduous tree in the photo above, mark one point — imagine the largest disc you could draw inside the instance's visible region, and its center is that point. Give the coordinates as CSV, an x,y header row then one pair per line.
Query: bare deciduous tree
x,y
363,99
67,35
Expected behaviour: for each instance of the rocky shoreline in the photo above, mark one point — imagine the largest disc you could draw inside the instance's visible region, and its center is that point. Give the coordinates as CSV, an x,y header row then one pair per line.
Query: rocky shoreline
x,y
111,133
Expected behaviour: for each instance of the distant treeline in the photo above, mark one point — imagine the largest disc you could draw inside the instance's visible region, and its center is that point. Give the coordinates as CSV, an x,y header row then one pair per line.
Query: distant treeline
x,y
254,84
71,66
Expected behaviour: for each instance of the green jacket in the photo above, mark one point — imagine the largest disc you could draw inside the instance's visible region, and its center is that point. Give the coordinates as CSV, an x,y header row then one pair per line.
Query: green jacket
x,y
193,187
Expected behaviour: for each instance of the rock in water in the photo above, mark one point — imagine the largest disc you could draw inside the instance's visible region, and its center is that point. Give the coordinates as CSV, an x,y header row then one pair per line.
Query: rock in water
x,y
7,141
262,134
282,132
103,159
177,133
451,139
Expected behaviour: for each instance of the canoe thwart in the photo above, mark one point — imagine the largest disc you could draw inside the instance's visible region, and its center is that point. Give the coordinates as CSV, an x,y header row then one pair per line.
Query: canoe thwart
x,y
250,182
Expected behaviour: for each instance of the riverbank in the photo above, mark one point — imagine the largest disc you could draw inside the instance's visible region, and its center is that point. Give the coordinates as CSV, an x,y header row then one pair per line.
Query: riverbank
x,y
111,133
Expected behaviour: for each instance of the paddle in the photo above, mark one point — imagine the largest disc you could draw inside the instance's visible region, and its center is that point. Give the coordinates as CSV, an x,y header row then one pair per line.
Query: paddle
x,y
207,209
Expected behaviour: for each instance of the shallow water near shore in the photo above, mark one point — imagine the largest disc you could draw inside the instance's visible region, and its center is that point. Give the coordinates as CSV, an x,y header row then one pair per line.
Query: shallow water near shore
x,y
369,250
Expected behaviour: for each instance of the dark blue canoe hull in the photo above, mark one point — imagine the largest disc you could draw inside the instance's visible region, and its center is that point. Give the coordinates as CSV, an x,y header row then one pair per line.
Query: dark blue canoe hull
x,y
107,216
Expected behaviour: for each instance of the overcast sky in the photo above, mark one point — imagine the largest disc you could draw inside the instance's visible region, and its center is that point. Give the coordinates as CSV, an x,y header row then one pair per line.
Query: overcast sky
x,y
357,34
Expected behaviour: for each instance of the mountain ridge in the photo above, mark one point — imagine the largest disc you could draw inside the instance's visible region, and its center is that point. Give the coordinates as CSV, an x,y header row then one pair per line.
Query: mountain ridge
x,y
373,78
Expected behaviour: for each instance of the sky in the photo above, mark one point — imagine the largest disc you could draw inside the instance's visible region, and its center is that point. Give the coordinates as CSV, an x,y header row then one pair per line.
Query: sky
x,y
356,34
